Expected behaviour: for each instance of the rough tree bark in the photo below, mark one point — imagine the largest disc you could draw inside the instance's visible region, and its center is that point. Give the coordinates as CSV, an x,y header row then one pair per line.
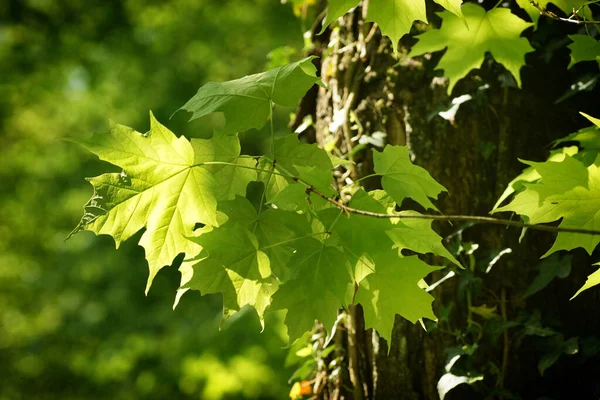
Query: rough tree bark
x,y
370,92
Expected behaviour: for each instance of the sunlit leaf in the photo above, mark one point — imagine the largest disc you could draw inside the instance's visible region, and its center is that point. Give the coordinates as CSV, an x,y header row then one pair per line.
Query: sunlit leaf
x,y
497,32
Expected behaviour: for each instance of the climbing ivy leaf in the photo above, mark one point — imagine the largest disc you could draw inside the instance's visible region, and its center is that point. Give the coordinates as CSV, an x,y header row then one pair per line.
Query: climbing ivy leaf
x,y
584,48
592,280
164,187
402,179
317,289
393,289
497,32
394,17
568,190
246,102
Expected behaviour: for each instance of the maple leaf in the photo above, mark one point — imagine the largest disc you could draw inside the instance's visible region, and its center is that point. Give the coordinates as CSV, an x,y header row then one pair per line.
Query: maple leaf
x,y
164,187
416,235
394,17
583,48
336,9
363,237
393,289
568,190
529,174
402,179
319,286
232,263
246,102
497,32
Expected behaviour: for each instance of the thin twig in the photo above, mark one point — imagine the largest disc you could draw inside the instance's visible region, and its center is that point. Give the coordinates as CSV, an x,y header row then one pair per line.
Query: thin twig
x,y
573,19
471,218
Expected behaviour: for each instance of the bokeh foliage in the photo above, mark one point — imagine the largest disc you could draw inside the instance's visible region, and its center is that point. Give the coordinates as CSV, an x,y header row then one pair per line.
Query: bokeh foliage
x,y
74,321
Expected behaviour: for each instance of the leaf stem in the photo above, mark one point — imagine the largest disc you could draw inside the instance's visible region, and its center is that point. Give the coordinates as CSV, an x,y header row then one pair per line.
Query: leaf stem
x,y
471,218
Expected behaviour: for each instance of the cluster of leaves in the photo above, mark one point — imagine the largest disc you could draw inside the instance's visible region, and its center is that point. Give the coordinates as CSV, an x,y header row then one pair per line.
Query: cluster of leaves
x,y
257,228
249,227
482,316
565,187
469,32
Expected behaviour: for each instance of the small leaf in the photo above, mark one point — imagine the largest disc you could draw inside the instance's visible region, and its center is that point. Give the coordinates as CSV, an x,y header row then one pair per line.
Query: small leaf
x,y
395,17
393,289
552,267
591,281
583,48
449,381
337,8
484,311
416,235
246,102
401,179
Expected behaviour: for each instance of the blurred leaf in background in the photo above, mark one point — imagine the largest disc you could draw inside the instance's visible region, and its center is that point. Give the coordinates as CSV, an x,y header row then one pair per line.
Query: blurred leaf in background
x,y
74,321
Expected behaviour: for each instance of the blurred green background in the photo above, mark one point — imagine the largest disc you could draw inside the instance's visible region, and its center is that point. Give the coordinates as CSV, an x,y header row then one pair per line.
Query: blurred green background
x,y
74,321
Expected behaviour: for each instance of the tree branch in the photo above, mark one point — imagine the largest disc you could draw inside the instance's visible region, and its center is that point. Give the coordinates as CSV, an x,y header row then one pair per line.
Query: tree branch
x,y
573,19
470,218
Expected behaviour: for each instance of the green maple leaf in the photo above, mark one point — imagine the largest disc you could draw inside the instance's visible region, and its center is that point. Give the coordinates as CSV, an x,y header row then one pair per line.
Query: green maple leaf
x,y
567,6
363,237
497,32
416,235
336,9
393,289
394,17
275,230
294,158
246,102
591,281
402,179
583,48
568,190
529,174
164,187
318,288
232,263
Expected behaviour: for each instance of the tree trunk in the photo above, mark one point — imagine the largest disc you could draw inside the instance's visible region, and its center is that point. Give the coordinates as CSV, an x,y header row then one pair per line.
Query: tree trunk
x,y
474,156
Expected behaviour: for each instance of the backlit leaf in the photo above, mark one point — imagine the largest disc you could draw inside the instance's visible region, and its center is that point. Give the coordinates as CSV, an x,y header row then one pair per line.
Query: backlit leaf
x,y
317,289
568,190
246,102
402,179
393,289
164,187
497,32
592,280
